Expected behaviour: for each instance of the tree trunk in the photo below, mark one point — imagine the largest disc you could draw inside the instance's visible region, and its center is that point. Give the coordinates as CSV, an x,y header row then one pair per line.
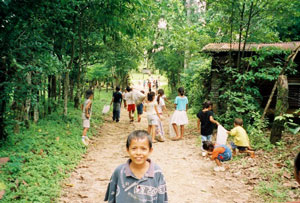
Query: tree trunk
x,y
3,99
290,59
66,91
281,107
49,94
77,96
36,108
67,79
28,101
240,36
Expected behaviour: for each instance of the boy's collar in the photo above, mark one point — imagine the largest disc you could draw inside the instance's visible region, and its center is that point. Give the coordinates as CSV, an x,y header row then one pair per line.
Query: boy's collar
x,y
149,173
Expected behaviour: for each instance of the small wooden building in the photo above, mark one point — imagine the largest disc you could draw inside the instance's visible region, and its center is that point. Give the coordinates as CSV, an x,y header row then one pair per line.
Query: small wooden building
x,y
221,53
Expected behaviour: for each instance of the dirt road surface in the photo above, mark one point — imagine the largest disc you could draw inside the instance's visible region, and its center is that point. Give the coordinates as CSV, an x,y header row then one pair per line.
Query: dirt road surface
x,y
190,178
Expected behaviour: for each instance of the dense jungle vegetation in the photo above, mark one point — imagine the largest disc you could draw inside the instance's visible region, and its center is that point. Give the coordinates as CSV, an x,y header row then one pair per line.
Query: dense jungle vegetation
x,y
53,51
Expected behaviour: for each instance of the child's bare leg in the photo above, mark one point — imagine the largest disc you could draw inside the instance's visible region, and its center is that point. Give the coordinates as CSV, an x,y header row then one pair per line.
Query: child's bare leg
x,y
234,152
149,129
153,133
84,132
181,131
251,153
175,129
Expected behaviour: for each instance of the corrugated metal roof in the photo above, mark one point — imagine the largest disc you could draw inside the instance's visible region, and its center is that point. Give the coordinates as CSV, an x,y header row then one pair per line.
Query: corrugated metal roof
x,y
224,47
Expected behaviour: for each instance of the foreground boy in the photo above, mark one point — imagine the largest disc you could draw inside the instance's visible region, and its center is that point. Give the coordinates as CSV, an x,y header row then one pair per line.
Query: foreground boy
x,y
138,180
220,153
241,139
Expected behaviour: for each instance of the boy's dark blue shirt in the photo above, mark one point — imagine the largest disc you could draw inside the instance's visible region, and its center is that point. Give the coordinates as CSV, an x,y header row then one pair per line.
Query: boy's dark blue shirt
x,y
117,97
125,187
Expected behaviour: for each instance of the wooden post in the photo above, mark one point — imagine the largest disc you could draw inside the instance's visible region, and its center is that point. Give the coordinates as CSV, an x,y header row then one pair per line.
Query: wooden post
x,y
281,108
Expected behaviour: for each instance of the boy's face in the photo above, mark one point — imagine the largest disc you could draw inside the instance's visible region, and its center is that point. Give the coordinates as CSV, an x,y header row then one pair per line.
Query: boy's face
x,y
139,151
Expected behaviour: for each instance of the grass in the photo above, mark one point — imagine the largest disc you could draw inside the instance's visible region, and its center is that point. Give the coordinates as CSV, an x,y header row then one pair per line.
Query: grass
x,y
43,155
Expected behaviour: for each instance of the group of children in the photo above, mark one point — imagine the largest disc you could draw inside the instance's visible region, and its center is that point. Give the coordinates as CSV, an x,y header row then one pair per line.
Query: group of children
x,y
141,180
221,152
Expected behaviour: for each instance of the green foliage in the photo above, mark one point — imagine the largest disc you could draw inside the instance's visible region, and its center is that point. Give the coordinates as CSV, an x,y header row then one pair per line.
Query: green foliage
x,y
194,81
42,156
289,123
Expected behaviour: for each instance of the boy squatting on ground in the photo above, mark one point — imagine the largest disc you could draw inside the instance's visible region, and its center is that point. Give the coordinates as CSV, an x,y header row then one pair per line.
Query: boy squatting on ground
x,y
241,139
220,153
86,108
138,180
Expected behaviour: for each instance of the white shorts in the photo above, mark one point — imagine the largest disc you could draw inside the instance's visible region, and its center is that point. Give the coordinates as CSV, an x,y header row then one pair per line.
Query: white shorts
x,y
179,117
86,123
152,119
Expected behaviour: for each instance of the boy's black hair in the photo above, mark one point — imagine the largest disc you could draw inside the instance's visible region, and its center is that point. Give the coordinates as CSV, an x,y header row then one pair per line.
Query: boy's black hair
x,y
238,121
297,163
150,96
208,146
88,93
181,91
138,134
207,104
128,89
117,88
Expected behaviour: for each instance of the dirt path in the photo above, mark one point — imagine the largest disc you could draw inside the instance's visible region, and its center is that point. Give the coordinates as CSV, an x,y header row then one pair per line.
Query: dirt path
x,y
190,178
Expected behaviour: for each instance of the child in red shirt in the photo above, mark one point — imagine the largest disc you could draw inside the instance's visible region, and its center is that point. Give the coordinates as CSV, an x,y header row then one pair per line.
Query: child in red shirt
x,y
220,153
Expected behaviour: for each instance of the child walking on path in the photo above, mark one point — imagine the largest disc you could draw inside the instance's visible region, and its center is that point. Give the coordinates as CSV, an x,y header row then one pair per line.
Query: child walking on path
x,y
160,108
129,103
86,108
206,121
179,117
140,107
139,179
241,139
116,101
152,114
220,153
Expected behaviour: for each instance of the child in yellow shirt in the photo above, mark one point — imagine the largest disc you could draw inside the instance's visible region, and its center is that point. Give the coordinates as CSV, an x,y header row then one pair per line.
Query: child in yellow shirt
x,y
241,139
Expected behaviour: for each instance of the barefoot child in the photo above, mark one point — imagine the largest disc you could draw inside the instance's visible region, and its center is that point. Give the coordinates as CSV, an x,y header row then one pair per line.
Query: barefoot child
x,y
241,139
116,101
207,121
220,153
140,107
179,117
139,179
160,108
152,114
129,103
86,108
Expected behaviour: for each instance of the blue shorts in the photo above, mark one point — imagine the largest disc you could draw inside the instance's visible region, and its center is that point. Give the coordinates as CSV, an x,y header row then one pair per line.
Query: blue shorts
x,y
140,108
240,148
